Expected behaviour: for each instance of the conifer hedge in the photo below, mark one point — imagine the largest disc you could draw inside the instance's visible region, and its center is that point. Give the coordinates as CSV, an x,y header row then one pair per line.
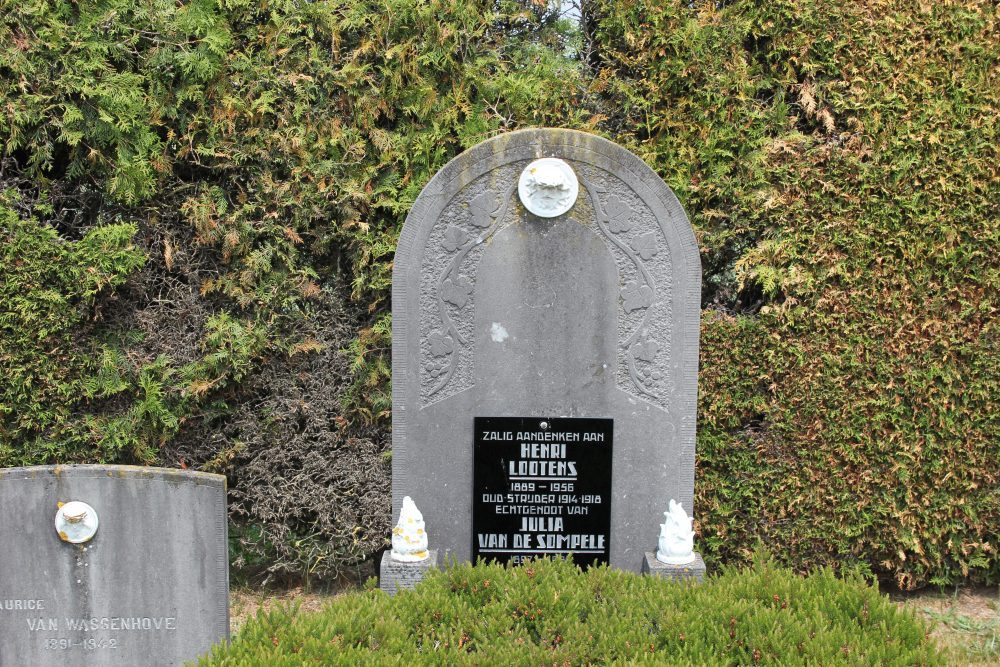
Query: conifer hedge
x,y
842,160
199,203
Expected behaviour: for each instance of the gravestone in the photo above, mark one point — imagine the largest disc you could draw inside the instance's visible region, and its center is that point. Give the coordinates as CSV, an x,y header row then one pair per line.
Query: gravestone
x,y
111,565
546,303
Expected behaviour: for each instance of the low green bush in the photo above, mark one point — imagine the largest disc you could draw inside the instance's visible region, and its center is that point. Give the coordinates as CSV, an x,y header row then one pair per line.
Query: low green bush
x,y
551,613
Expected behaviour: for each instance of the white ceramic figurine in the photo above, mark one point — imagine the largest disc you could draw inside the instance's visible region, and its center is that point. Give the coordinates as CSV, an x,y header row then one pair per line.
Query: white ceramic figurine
x,y
676,543
409,539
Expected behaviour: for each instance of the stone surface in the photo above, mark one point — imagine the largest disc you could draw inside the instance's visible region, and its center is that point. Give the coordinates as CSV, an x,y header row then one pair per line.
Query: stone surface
x,y
150,588
501,313
395,576
654,568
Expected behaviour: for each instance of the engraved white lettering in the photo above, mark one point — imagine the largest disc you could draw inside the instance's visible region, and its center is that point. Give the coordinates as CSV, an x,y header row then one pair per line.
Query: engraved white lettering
x,y
573,542
548,436
492,541
22,604
500,510
540,498
97,623
537,523
543,450
39,624
542,468
542,505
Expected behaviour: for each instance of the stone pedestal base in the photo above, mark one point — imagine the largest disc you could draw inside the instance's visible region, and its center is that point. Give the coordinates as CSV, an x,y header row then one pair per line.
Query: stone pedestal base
x,y
395,576
694,570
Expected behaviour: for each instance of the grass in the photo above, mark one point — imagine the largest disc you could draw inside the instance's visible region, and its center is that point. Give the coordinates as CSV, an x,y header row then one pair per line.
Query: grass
x,y
968,627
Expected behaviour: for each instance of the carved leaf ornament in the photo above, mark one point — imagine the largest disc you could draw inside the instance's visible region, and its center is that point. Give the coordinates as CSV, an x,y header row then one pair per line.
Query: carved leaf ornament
x,y
454,238
619,215
457,291
645,350
636,296
645,245
483,207
441,344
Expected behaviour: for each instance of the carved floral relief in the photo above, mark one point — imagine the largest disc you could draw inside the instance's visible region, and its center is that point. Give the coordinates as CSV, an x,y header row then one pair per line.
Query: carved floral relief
x,y
484,208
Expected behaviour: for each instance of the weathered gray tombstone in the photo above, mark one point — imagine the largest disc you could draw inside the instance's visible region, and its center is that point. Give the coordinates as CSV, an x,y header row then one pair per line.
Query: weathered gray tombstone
x,y
111,565
544,366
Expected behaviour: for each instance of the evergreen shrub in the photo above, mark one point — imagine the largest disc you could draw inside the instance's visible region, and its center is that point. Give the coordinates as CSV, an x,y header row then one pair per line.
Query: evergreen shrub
x,y
48,290
309,493
840,165
264,155
188,187
549,613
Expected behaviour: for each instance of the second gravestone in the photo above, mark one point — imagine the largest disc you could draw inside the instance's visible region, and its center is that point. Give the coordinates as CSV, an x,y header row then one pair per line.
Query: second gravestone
x,y
111,565
546,303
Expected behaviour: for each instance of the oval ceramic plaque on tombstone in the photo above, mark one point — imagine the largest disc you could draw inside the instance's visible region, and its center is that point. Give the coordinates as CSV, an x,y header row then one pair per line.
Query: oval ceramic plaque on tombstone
x,y
566,295
133,572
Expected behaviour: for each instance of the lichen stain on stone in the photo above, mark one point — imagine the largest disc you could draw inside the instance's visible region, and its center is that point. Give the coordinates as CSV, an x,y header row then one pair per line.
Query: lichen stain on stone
x,y
498,333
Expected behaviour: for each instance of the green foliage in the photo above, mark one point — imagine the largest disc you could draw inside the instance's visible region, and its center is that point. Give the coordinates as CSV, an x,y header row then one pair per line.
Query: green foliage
x,y
548,612
267,154
840,164
188,183
47,291
331,118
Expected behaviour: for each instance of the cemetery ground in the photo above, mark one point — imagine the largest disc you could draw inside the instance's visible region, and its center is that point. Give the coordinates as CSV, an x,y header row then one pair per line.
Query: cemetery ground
x,y
965,621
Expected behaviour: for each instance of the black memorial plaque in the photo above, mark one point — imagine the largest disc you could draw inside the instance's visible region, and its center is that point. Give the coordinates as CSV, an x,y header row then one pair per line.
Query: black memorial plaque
x,y
542,487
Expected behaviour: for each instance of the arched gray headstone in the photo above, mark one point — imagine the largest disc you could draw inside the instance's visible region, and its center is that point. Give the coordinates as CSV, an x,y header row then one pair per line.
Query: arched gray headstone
x,y
150,587
588,315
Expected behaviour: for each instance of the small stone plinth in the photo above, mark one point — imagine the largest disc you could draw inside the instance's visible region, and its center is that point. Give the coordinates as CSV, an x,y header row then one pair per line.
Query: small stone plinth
x,y
694,570
395,576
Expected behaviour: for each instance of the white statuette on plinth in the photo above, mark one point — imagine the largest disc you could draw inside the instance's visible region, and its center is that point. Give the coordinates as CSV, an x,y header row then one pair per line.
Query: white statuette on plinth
x,y
409,539
676,543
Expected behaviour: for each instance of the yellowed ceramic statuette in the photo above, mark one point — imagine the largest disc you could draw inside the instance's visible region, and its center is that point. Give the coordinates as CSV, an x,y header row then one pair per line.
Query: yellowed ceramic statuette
x,y
409,539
